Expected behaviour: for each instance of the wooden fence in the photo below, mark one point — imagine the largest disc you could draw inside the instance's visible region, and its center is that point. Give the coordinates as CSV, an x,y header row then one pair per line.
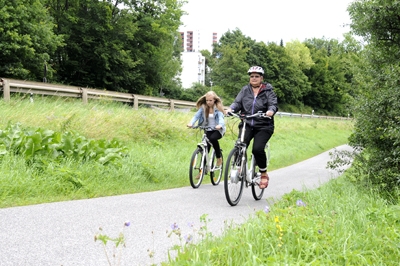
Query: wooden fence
x,y
8,86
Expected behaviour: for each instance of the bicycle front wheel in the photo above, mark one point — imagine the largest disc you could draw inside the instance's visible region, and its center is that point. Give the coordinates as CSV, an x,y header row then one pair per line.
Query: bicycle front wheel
x,y
196,170
233,178
256,178
216,171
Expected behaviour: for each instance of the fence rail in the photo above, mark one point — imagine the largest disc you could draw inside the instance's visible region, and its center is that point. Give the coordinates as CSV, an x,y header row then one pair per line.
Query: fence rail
x,y
8,86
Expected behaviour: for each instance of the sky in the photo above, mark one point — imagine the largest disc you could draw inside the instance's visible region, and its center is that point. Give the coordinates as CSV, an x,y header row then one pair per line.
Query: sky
x,y
270,20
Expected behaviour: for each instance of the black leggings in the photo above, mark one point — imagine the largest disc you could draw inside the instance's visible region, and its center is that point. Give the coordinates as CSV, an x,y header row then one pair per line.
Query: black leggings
x,y
261,137
214,136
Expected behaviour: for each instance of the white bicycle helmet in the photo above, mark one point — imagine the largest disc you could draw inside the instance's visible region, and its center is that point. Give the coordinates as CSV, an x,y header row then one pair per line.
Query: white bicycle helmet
x,y
256,69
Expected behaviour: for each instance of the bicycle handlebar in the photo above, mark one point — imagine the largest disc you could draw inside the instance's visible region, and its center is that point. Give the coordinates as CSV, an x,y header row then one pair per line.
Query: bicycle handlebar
x,y
242,116
203,127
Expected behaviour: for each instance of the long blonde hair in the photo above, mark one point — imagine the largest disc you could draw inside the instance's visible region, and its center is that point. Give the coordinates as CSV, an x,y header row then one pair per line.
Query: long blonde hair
x,y
217,102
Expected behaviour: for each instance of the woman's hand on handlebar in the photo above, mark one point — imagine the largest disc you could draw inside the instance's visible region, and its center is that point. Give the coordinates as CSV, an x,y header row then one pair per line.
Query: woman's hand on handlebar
x,y
189,125
269,113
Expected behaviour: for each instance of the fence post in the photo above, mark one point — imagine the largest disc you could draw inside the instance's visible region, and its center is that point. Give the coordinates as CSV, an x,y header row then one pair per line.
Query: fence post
x,y
135,102
6,90
172,105
84,95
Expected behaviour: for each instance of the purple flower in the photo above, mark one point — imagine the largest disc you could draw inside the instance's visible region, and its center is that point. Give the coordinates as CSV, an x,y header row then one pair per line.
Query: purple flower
x,y
127,223
174,226
188,238
266,209
300,203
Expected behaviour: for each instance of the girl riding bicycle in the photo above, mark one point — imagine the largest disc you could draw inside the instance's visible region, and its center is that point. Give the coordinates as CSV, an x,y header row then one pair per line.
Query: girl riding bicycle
x,y
210,113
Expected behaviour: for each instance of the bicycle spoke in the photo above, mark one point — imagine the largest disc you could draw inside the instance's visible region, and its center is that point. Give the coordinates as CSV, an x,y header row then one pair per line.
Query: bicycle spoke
x,y
233,181
256,179
216,171
196,171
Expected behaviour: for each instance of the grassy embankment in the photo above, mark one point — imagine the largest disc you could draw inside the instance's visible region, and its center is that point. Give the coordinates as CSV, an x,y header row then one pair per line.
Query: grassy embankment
x,y
159,149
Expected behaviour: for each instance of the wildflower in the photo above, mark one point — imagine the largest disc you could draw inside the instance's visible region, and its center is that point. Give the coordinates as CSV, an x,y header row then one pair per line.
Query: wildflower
x,y
266,209
190,224
300,203
127,223
188,238
174,226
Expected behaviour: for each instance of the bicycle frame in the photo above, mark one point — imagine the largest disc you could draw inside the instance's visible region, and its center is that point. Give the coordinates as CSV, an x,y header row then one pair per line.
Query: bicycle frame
x,y
203,145
242,148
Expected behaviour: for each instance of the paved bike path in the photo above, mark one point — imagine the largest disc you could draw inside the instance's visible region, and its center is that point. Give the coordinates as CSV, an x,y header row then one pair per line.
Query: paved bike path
x,y
63,233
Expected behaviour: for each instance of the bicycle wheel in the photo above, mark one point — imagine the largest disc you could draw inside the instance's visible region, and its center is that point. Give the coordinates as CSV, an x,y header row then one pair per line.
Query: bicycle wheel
x,y
256,177
216,171
233,179
196,170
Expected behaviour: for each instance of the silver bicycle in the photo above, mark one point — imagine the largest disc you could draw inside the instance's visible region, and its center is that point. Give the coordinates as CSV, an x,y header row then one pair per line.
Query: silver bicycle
x,y
238,172
203,163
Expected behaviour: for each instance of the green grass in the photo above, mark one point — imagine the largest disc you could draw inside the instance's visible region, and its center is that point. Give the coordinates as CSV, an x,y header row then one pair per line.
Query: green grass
x,y
159,143
336,224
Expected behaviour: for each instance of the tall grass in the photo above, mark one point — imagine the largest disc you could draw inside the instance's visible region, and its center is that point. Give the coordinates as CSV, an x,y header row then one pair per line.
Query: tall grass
x,y
159,144
336,224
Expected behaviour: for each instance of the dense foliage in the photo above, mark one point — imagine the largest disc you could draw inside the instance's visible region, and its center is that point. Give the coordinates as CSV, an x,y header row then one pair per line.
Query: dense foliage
x,y
27,39
43,145
120,45
377,107
316,73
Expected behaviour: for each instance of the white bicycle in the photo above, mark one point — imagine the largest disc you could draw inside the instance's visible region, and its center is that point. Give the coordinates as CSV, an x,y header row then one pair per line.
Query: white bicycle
x,y
202,163
238,172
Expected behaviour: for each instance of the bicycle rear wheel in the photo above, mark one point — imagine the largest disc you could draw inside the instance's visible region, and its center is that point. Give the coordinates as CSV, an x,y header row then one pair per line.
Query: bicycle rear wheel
x,y
233,178
196,170
216,171
255,189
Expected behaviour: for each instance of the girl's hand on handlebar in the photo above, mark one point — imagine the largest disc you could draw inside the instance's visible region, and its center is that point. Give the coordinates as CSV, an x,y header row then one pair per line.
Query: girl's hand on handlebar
x,y
189,125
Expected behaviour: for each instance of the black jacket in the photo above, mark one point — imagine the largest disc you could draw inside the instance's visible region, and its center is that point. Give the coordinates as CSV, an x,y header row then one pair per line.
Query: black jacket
x,y
246,103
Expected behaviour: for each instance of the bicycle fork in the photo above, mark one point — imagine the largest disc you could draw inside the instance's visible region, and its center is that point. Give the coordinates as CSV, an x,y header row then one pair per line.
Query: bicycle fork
x,y
204,160
238,172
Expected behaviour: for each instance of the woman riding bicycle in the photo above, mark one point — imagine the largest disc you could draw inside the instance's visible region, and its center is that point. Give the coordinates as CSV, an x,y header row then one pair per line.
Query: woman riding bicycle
x,y
252,98
210,113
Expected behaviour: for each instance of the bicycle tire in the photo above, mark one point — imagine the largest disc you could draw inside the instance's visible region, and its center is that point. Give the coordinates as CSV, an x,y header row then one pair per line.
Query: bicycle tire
x,y
233,182
255,189
196,170
216,172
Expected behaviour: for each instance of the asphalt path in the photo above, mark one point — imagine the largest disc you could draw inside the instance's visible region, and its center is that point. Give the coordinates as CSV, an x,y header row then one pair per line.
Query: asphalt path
x,y
63,233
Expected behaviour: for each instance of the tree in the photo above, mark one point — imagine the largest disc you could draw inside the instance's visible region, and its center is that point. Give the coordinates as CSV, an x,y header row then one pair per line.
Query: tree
x,y
26,39
300,54
289,82
230,69
331,75
377,109
128,46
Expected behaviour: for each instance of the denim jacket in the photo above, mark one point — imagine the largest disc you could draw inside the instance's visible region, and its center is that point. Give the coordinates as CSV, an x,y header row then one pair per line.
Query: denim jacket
x,y
200,116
